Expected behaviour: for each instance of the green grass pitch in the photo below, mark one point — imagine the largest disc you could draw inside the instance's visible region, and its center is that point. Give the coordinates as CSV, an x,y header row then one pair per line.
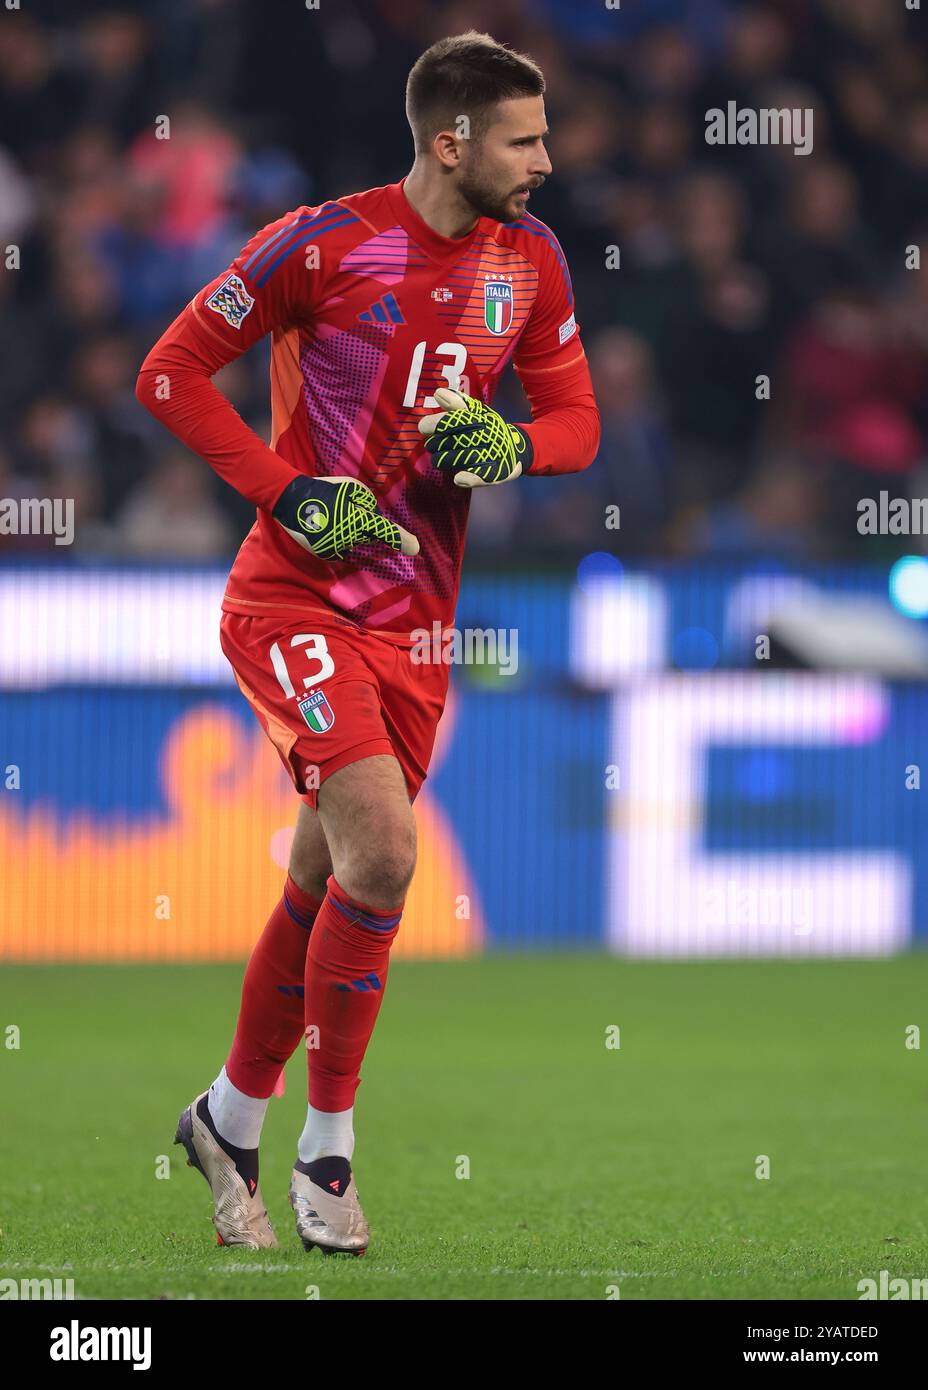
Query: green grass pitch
x,y
591,1168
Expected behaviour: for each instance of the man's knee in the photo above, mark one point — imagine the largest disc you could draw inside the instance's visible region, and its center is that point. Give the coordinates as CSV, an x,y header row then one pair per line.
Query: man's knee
x,y
371,830
378,867
311,877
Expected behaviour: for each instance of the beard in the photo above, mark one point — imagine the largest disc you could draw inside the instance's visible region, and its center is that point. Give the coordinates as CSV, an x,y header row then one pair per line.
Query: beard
x,y
485,199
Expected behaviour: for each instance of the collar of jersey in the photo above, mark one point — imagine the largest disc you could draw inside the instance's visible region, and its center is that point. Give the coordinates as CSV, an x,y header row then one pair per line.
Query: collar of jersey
x,y
439,248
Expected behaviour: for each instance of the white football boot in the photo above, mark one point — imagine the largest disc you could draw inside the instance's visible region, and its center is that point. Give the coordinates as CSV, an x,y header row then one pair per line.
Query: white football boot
x,y
327,1208
239,1215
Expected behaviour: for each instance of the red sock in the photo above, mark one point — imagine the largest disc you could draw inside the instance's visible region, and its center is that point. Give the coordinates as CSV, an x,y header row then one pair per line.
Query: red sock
x,y
270,1021
346,973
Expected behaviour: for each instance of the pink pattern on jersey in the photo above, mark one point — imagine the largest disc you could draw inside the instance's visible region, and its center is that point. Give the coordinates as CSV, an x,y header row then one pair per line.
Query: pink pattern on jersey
x,y
384,257
427,503
357,587
381,618
342,378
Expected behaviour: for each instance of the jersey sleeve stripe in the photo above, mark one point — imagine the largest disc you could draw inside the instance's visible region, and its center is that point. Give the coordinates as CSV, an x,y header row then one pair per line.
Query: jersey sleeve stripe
x,y
528,224
302,236
303,225
266,246
253,264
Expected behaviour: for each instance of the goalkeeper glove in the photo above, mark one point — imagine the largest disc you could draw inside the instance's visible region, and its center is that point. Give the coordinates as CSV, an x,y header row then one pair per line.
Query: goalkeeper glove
x,y
329,516
474,442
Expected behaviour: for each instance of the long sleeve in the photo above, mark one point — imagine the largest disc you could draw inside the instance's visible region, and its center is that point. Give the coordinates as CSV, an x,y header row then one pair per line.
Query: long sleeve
x,y
266,289
174,384
553,370
565,425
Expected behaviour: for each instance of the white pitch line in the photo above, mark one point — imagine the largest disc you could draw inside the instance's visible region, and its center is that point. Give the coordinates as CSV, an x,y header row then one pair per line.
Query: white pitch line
x,y
395,1271
390,1270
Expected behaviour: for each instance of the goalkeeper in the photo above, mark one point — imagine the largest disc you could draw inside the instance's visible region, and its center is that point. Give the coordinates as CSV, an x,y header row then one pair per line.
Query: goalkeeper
x,y
392,314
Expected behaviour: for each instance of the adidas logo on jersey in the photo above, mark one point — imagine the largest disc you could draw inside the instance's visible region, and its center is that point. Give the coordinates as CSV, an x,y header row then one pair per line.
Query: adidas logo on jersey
x,y
385,311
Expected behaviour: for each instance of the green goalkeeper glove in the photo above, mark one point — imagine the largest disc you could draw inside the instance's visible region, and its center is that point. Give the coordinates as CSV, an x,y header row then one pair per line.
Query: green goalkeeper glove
x,y
329,516
474,442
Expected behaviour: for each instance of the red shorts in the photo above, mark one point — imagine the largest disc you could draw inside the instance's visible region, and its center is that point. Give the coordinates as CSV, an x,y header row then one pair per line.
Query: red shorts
x,y
327,695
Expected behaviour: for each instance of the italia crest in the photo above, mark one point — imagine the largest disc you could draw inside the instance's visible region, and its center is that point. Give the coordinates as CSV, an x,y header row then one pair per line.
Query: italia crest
x,y
317,712
497,306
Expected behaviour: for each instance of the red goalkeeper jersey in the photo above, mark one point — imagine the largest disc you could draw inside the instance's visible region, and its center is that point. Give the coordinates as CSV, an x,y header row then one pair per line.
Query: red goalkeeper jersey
x,y
370,311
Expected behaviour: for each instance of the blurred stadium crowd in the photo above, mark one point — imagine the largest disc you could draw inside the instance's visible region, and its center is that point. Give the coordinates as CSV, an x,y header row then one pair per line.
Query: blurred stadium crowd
x,y
734,260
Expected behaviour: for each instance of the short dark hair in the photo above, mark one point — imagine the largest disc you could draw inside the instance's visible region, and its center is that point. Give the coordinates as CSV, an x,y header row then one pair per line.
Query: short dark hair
x,y
467,74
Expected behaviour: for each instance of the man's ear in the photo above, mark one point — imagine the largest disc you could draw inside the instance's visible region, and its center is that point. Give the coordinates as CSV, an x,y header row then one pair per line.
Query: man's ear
x,y
446,150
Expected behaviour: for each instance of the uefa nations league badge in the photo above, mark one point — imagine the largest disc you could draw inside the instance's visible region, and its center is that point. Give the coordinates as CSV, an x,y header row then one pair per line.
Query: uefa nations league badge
x,y
317,712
